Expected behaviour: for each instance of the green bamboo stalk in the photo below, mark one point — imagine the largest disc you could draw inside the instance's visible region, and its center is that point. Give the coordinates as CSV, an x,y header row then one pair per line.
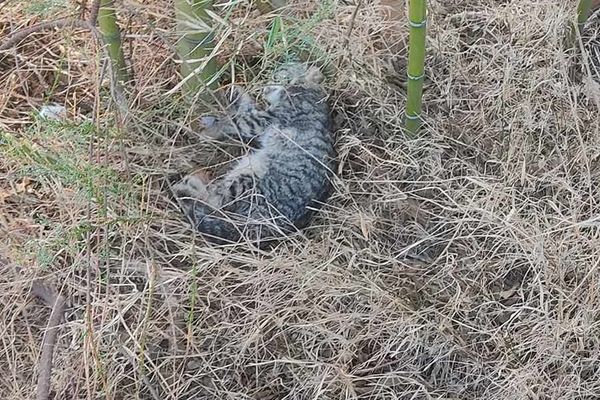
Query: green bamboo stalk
x,y
195,45
583,12
584,9
107,22
416,64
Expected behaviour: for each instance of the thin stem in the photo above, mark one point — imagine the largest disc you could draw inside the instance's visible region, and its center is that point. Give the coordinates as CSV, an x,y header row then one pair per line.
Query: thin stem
x,y
94,9
416,64
107,22
52,299
18,36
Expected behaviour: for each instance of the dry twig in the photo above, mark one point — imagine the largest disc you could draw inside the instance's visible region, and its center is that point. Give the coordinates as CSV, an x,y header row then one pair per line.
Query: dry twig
x,y
94,9
51,298
18,36
57,302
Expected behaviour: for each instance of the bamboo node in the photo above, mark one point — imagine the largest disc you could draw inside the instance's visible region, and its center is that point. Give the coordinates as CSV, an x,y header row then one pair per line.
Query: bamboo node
x,y
415,77
420,24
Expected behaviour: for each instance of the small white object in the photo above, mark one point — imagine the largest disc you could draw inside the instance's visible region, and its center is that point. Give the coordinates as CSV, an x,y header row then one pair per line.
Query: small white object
x,y
53,112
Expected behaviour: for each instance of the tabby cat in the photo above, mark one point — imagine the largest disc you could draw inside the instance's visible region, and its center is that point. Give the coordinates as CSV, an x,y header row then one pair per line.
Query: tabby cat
x,y
274,189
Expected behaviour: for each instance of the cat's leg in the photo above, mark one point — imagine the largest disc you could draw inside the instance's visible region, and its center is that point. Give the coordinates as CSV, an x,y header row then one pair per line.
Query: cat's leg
x,y
216,209
201,203
229,209
190,190
274,94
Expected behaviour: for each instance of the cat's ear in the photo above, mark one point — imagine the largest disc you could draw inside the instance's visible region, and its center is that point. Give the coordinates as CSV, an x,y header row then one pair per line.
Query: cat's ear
x,y
208,121
314,75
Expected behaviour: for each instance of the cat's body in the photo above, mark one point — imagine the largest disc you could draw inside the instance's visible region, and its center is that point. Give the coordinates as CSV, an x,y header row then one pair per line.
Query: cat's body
x,y
274,189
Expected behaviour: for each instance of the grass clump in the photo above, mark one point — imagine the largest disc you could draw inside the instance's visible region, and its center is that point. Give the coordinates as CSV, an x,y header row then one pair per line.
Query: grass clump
x,y
52,150
43,8
457,264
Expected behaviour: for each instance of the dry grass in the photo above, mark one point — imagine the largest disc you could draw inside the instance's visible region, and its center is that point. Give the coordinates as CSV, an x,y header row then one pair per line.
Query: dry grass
x,y
460,265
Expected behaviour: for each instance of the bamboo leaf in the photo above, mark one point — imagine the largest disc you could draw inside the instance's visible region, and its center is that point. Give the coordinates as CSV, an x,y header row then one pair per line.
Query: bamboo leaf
x,y
274,33
195,46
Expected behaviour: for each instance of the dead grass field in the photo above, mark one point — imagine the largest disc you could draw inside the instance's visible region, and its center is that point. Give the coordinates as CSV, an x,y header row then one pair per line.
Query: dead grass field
x,y
462,264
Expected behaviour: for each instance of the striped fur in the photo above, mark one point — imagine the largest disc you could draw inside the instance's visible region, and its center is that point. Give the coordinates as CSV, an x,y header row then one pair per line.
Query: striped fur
x,y
273,190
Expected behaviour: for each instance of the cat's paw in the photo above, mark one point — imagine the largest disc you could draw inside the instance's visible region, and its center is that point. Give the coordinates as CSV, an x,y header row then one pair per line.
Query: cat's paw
x,y
192,186
274,94
210,127
208,121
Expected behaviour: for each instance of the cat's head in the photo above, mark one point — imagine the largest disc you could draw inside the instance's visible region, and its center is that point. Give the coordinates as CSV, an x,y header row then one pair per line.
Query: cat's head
x,y
297,73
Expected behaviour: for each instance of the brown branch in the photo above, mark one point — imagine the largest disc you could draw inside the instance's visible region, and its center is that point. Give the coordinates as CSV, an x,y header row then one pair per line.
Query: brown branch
x,y
55,300
351,25
94,12
16,37
19,35
346,41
